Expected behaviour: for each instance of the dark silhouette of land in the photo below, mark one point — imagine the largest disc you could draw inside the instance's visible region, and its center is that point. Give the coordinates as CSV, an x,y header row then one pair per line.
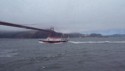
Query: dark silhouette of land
x,y
41,34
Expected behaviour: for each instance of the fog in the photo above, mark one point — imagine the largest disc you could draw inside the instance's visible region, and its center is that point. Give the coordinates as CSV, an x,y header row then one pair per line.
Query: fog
x,y
84,16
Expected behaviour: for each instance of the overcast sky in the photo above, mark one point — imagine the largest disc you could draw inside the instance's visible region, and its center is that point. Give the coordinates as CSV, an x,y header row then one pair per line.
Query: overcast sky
x,y
107,16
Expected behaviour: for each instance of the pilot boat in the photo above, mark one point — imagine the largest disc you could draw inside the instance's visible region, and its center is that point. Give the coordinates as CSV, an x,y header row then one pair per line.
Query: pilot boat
x,y
54,40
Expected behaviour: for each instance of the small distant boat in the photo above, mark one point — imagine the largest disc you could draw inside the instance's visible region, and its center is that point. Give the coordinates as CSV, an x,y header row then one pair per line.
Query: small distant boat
x,y
54,40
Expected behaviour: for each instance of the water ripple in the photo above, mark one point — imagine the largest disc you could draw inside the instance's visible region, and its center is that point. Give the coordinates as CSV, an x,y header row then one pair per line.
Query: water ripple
x,y
10,66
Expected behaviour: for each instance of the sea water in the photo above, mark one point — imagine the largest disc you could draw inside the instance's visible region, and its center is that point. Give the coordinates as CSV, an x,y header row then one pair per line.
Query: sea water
x,y
78,54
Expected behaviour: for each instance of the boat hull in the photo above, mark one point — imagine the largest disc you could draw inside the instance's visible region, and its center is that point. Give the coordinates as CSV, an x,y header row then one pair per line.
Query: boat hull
x,y
54,41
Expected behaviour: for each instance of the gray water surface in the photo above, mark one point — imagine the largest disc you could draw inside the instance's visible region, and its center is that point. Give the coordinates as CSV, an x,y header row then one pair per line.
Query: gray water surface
x,y
79,54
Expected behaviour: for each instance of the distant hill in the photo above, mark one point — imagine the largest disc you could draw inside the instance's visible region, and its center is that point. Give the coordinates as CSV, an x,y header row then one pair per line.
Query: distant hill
x,y
117,35
34,34
26,34
40,34
22,34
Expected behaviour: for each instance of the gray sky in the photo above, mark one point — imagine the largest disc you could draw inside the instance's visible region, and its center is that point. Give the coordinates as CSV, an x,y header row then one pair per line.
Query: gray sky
x,y
84,16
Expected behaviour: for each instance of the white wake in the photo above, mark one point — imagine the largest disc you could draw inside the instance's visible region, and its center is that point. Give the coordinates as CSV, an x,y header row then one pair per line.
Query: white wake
x,y
94,42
